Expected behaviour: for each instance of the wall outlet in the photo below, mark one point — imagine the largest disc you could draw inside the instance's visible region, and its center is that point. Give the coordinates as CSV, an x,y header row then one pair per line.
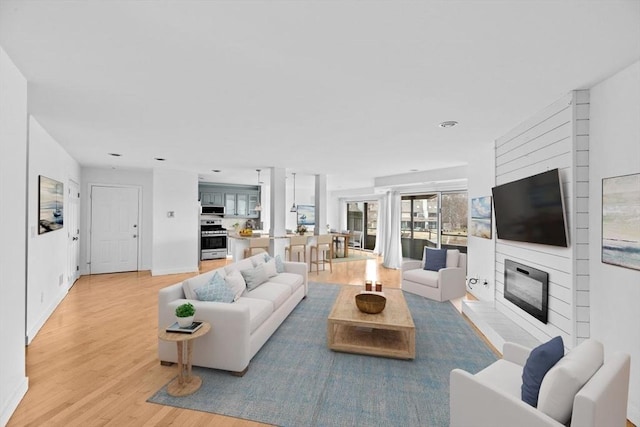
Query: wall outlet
x,y
60,280
42,296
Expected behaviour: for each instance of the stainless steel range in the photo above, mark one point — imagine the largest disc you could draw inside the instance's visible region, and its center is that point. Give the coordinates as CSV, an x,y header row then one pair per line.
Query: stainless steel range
x,y
213,238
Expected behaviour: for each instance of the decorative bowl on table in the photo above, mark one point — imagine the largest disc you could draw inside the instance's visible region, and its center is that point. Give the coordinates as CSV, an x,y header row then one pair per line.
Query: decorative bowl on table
x,y
246,232
370,303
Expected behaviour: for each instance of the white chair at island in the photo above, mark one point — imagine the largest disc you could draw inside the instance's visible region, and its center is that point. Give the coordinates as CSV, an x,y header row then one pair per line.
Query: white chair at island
x,y
323,249
297,246
256,245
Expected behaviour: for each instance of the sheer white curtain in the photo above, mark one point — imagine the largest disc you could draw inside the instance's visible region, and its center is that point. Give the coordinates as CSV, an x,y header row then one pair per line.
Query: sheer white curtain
x,y
382,227
392,252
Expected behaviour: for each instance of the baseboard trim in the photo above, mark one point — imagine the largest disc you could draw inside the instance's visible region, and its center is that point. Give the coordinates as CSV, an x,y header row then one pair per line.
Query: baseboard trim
x,y
14,401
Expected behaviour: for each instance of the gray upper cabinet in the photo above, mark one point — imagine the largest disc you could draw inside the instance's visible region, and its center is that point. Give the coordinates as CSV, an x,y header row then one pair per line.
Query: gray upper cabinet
x,y
238,200
212,198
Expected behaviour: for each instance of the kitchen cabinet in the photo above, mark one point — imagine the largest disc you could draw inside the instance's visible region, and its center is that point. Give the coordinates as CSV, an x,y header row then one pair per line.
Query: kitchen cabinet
x,y
212,198
241,204
239,201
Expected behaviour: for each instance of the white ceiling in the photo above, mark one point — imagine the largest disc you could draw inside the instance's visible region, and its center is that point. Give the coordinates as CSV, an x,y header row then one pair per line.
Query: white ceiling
x,y
351,89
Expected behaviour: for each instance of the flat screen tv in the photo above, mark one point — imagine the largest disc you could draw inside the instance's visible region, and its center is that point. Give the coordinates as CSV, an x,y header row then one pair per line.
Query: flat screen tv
x,y
531,210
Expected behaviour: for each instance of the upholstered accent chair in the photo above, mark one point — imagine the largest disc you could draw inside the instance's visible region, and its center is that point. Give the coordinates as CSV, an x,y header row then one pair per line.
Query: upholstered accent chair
x,y
582,389
439,284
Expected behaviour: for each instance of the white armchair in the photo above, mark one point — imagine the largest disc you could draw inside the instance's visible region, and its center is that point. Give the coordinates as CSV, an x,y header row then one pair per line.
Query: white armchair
x,y
443,285
492,397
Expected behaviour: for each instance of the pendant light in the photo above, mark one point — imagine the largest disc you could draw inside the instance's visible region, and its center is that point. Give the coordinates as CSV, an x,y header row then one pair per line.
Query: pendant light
x,y
258,207
293,207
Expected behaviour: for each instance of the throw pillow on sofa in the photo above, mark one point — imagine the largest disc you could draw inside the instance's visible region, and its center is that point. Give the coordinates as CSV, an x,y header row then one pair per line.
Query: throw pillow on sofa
x,y
216,290
270,268
236,283
540,360
279,263
254,277
435,259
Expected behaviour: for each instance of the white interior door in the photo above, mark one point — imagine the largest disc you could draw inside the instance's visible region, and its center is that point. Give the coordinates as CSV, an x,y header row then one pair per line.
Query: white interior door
x,y
114,229
73,232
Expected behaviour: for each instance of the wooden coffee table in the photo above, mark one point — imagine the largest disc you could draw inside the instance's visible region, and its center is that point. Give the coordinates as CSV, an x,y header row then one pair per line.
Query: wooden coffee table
x,y
390,333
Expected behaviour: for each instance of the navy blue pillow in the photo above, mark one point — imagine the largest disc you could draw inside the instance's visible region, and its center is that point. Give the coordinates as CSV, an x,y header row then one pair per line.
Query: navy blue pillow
x,y
541,359
435,259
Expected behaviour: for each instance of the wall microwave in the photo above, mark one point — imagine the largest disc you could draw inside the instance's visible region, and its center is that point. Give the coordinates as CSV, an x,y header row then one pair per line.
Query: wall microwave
x,y
212,210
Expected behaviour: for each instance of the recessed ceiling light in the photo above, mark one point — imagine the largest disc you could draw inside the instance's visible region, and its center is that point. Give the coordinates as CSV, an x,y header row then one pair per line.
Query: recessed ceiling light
x,y
160,159
448,124
115,154
216,170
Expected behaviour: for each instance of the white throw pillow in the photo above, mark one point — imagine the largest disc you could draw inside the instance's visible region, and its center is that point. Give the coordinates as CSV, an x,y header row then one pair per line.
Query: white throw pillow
x,y
562,382
270,268
236,283
453,257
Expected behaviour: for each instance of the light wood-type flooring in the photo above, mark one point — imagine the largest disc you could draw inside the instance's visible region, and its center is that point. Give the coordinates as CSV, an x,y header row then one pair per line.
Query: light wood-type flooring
x,y
95,363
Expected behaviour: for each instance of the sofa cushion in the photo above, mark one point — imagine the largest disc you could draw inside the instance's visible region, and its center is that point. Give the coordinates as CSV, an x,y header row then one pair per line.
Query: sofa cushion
x,y
567,377
503,375
423,277
216,290
190,285
277,293
540,360
259,311
294,281
254,276
236,283
453,258
434,259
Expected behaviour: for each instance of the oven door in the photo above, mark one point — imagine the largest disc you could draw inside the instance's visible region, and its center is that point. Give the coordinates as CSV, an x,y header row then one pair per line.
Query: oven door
x,y
213,242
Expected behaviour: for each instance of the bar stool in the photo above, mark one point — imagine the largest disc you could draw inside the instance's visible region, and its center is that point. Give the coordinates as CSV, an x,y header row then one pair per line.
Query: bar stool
x,y
297,245
256,245
324,244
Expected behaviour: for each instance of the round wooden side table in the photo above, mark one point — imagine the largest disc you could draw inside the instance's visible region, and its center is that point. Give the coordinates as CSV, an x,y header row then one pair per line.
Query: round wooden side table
x,y
185,383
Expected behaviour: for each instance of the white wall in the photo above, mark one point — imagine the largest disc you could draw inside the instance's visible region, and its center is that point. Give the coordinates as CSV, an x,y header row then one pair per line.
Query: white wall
x,y
175,239
13,224
140,178
481,251
615,151
47,281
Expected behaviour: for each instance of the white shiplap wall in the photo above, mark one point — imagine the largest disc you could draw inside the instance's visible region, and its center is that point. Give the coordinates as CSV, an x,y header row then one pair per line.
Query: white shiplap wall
x,y
557,137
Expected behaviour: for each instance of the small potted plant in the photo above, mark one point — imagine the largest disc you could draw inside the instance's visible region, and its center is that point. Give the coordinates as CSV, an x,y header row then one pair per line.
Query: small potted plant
x,y
301,229
185,314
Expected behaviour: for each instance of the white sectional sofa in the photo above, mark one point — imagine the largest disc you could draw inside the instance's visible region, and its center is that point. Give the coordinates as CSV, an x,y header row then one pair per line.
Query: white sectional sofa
x,y
240,328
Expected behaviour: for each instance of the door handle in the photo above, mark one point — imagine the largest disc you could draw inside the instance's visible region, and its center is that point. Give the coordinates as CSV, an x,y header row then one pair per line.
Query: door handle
x,y
135,235
75,238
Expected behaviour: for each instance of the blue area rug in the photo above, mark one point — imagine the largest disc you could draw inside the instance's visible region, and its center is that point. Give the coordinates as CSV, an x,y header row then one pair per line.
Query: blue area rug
x,y
294,380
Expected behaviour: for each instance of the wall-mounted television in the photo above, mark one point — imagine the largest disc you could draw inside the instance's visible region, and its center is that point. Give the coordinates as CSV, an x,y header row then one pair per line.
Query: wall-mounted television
x,y
531,210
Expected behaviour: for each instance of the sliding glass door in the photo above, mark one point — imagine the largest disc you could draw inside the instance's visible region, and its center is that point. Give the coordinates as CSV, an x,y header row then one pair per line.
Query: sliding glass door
x,y
363,216
434,220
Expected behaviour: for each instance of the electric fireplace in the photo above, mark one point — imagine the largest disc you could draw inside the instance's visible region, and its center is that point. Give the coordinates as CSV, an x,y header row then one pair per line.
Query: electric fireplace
x,y
527,288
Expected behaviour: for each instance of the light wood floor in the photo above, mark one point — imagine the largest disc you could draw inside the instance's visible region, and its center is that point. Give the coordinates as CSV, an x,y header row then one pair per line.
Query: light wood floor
x,y
94,362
